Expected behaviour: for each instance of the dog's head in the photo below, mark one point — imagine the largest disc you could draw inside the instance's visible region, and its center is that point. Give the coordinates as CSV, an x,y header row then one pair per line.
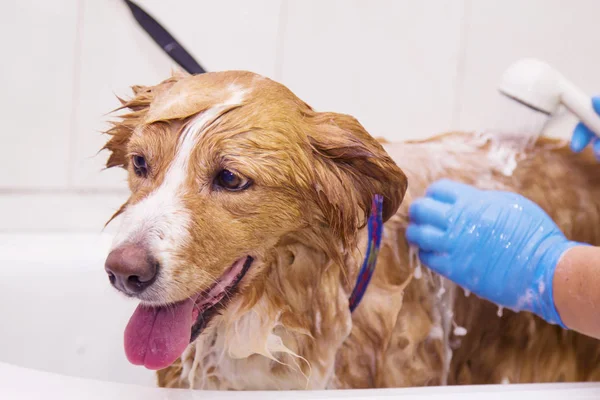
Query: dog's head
x,y
222,168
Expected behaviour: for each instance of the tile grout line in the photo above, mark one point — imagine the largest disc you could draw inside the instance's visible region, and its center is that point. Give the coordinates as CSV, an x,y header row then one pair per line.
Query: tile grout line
x,y
75,95
8,191
461,65
279,47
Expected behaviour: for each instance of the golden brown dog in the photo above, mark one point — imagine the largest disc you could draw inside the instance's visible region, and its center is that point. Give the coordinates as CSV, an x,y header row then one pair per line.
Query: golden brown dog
x,y
244,234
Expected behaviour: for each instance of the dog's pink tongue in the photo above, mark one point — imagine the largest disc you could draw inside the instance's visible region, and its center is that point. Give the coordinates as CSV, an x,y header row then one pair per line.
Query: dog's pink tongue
x,y
156,336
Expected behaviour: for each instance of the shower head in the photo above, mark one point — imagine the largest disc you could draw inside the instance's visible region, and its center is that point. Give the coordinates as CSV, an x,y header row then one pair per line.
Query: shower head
x,y
542,88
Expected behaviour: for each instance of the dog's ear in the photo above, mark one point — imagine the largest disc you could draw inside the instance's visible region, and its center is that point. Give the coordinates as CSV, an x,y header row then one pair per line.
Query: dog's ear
x,y
122,129
351,168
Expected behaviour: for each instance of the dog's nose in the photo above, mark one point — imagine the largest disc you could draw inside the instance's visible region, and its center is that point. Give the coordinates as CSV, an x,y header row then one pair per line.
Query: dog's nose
x,y
131,269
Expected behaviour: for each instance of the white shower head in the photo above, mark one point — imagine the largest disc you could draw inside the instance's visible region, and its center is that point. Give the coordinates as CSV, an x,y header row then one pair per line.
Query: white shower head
x,y
539,86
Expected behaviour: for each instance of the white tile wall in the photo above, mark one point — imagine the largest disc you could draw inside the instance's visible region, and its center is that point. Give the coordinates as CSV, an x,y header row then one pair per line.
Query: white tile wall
x,y
405,68
36,81
115,54
499,32
59,211
390,63
224,34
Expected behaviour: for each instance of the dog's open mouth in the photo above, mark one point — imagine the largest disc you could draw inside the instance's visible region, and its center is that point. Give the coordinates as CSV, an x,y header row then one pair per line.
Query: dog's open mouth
x,y
157,335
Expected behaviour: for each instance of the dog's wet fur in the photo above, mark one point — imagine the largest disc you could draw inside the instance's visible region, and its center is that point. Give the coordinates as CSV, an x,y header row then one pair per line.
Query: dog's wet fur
x,y
313,177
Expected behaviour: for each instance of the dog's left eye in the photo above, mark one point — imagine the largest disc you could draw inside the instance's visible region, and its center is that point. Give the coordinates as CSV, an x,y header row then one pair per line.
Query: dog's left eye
x,y
140,167
231,181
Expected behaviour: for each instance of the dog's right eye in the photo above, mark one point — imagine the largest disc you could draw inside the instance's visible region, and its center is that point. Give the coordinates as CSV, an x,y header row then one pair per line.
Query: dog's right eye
x,y
140,167
231,181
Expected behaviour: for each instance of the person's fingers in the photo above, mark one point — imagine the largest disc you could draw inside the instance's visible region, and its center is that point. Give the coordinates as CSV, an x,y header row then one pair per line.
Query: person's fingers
x,y
426,237
448,191
427,211
582,136
436,262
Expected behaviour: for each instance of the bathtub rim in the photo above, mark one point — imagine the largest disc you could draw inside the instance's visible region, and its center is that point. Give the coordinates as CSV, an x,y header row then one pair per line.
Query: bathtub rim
x,y
28,383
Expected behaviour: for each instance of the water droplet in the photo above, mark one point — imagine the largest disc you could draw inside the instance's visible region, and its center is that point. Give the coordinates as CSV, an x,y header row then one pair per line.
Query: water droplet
x,y
441,292
541,287
418,272
460,331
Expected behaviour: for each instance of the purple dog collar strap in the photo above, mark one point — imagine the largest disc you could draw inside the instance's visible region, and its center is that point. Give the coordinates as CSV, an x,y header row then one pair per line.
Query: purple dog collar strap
x,y
375,230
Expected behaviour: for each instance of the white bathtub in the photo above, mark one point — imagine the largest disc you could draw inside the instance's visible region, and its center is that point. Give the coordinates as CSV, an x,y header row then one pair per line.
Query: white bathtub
x,y
61,327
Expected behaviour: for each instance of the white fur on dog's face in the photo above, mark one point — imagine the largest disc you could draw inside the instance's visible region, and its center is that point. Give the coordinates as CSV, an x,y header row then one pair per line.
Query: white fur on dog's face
x,y
313,177
306,168
161,221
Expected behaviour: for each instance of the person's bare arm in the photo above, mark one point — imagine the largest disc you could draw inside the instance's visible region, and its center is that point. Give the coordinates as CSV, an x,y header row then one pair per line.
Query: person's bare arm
x,y
576,289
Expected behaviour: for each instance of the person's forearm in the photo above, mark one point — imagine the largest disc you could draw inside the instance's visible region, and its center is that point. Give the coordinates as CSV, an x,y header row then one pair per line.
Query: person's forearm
x,y
576,289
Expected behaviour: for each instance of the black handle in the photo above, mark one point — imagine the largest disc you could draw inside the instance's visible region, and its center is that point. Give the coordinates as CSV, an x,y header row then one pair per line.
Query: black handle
x,y
165,40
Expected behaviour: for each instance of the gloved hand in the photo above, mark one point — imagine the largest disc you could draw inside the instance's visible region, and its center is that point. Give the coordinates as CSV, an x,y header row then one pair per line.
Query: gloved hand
x,y
582,136
499,245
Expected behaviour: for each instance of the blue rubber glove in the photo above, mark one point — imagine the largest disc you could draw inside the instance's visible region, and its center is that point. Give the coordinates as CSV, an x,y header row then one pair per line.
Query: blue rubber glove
x,y
582,136
499,245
